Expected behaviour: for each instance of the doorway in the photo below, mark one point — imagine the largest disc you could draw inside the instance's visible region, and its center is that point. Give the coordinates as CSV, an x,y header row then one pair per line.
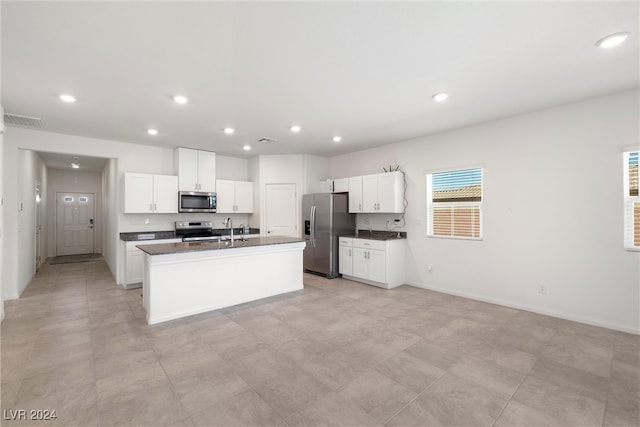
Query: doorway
x,y
75,223
281,212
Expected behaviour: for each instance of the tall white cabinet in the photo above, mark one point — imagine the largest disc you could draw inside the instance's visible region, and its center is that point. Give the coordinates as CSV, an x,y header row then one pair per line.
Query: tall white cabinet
x,y
234,196
355,194
196,170
146,193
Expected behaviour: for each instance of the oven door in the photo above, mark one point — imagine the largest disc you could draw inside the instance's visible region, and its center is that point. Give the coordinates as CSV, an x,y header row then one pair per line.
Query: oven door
x,y
192,201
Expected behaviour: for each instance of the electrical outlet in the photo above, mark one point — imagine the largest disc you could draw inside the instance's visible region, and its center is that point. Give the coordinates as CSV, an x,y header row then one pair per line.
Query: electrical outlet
x,y
147,221
429,268
542,289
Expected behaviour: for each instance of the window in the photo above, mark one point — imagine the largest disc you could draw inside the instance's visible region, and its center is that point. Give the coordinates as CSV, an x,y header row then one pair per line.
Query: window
x,y
454,204
631,202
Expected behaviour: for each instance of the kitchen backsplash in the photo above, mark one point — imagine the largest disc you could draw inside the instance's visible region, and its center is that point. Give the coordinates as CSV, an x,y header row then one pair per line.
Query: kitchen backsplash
x,y
159,222
379,222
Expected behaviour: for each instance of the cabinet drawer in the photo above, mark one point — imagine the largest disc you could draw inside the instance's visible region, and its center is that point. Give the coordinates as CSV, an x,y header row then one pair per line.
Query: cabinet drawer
x,y
369,244
346,241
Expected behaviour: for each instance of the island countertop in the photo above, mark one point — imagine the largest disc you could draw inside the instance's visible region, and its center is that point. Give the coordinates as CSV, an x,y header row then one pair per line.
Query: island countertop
x,y
209,245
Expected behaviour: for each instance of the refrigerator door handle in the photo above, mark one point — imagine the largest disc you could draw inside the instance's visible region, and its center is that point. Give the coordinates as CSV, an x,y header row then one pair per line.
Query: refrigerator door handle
x,y
313,226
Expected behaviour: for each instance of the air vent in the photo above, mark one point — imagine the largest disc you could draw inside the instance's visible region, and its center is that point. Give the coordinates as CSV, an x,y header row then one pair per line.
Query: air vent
x,y
267,140
24,121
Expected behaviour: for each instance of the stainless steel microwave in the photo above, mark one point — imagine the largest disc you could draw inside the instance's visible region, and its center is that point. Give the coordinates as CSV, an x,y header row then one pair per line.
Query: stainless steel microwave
x,y
194,201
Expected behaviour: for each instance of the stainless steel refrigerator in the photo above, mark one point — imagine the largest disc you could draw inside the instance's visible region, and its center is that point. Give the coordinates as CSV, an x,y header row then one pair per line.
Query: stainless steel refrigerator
x,y
325,217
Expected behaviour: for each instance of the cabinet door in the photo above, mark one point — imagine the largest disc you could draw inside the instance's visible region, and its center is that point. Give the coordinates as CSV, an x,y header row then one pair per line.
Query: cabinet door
x,y
370,193
165,194
345,260
360,263
133,266
244,197
138,193
377,266
226,196
341,185
355,194
207,171
390,192
188,169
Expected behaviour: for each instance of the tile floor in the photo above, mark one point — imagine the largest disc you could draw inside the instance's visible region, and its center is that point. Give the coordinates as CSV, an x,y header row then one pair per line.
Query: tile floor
x,y
336,353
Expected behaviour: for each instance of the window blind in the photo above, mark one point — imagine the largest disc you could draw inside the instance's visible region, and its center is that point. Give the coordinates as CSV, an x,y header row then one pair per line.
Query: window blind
x,y
454,201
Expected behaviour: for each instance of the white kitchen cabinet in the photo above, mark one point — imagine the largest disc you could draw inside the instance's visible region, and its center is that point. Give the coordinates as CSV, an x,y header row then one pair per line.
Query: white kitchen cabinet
x,y
234,196
134,261
146,193
340,185
196,170
383,193
355,194
375,262
345,255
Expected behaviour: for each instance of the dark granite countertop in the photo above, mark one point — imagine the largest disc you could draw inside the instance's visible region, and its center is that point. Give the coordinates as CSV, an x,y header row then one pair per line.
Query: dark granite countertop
x,y
209,245
377,235
143,236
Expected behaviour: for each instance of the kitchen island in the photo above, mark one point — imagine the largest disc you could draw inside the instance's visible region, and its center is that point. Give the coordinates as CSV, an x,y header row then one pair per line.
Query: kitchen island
x,y
186,278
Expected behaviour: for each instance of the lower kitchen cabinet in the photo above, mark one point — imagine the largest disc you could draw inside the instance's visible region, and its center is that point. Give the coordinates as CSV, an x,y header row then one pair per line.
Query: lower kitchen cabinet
x,y
345,256
375,262
134,261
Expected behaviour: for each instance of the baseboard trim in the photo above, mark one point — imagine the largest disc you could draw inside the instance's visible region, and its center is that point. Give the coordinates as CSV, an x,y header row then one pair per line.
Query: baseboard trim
x,y
552,313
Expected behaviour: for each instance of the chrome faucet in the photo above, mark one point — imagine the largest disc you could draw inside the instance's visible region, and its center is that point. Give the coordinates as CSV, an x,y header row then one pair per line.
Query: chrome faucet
x,y
229,223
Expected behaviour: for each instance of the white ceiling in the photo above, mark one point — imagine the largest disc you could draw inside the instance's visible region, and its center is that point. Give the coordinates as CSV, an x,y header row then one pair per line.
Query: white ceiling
x,y
363,70
63,161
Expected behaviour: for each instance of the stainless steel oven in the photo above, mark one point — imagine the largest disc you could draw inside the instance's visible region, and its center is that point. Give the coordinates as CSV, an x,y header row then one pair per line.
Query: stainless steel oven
x,y
194,201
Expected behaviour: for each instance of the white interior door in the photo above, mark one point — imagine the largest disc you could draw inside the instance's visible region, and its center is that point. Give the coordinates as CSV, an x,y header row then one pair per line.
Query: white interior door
x,y
75,223
281,210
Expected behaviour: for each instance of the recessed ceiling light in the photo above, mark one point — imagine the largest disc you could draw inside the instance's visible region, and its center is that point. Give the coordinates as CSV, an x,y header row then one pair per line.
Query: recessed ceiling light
x,y
246,147
337,138
612,40
295,128
75,165
439,97
229,131
67,98
180,99
152,131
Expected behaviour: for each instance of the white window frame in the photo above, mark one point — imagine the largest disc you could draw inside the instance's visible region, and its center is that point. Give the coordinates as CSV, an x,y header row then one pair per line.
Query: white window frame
x,y
629,202
431,204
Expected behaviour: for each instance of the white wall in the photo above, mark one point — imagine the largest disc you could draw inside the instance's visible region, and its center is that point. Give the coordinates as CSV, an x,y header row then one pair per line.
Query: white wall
x,y
316,169
552,211
73,181
110,236
1,212
231,168
19,250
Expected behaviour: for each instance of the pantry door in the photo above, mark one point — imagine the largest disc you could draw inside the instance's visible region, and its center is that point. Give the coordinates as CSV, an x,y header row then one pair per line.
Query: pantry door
x,y
281,202
75,223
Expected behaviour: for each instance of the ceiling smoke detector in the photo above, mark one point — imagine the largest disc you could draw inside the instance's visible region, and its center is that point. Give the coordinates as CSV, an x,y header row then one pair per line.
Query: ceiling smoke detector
x,y
24,121
267,140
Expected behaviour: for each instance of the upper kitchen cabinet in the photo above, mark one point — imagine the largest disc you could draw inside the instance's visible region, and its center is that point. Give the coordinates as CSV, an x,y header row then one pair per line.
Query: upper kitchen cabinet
x,y
382,193
234,196
196,170
355,194
145,193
